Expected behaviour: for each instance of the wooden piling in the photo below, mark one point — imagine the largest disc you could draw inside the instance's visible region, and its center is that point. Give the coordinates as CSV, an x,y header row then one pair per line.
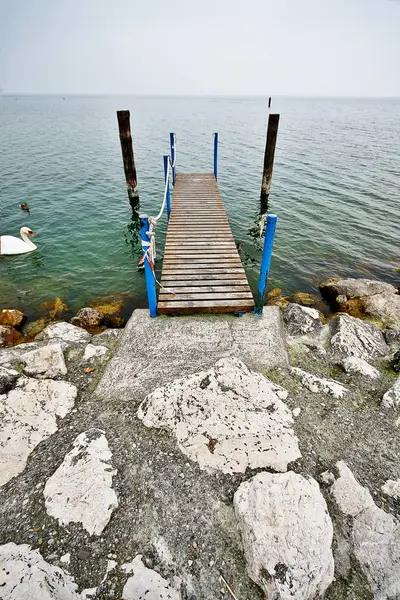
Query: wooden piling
x,y
272,133
269,102
127,154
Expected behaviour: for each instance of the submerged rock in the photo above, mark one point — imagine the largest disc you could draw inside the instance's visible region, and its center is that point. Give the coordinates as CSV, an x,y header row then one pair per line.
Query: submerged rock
x,y
64,332
306,299
11,317
80,490
392,397
9,336
301,320
353,364
88,318
45,362
25,575
28,415
54,308
110,308
353,337
287,535
146,583
228,418
320,384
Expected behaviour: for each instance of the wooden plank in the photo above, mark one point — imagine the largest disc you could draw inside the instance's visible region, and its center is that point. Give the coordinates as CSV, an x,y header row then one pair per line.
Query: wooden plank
x,y
201,289
203,266
203,279
206,272
205,306
178,297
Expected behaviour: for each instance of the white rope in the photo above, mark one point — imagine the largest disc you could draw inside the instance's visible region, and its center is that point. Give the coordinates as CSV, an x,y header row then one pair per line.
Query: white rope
x,y
169,158
164,199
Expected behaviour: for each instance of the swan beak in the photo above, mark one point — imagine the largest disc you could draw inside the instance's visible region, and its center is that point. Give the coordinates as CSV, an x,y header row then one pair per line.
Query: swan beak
x,y
31,233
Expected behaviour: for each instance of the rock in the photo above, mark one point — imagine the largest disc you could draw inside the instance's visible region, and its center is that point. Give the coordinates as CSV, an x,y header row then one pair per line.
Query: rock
x,y
54,308
25,575
274,298
33,329
28,415
11,317
392,338
353,337
301,320
228,418
92,351
306,299
45,362
110,308
287,535
349,495
392,488
315,384
296,411
111,334
354,288
352,364
8,378
392,397
154,352
9,336
80,490
385,307
375,535
327,478
88,318
395,362
65,332
146,583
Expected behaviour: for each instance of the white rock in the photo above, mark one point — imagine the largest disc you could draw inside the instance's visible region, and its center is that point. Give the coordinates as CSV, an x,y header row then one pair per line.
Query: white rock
x,y
146,583
28,416
350,496
353,337
45,362
296,411
64,331
375,535
66,558
287,534
392,488
327,478
392,397
301,320
319,384
25,575
384,306
228,418
92,351
353,364
357,288
80,490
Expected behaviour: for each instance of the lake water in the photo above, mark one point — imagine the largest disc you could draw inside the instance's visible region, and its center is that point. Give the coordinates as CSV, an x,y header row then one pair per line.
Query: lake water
x,y
336,188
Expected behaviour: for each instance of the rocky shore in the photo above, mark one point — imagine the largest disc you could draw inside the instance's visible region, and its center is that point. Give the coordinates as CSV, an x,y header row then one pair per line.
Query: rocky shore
x,y
205,457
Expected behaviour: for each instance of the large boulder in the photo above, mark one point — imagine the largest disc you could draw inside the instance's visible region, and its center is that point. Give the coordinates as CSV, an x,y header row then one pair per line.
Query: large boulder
x,y
11,317
25,575
65,332
301,320
88,318
146,583
354,337
392,397
80,490
353,288
353,364
227,418
28,415
9,336
375,535
385,307
45,362
287,535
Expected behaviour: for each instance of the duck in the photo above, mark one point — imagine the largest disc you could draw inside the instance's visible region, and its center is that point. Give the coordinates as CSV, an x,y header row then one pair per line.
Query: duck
x,y
10,244
24,207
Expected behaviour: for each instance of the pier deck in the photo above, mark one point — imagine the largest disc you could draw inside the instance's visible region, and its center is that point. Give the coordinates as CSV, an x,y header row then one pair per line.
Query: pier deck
x,y
202,271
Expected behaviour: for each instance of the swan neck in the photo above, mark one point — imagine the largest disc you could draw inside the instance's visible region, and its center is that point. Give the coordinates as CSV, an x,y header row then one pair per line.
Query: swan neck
x,y
26,239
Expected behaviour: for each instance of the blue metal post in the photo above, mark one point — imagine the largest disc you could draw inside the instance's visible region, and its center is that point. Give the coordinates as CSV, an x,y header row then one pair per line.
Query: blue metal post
x,y
216,155
265,262
166,158
150,280
172,142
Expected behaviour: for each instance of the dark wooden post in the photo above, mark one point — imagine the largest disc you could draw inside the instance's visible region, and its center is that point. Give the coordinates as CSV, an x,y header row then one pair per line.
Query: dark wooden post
x,y
127,153
272,133
269,102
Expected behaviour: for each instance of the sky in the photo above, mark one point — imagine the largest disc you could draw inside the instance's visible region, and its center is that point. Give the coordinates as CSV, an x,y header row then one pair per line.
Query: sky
x,y
196,47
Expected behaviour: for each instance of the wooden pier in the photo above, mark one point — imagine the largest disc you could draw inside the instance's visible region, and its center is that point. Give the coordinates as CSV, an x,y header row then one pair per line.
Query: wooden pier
x,y
202,271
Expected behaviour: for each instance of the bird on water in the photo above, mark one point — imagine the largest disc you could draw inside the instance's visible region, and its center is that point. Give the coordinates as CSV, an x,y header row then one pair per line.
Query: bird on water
x,y
24,207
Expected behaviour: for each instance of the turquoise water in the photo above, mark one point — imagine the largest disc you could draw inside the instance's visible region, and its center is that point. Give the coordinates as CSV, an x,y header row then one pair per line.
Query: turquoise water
x,y
335,188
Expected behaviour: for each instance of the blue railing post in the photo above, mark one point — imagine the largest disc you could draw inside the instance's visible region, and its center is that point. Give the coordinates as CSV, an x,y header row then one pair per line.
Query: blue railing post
x,y
148,271
172,142
216,155
265,262
166,158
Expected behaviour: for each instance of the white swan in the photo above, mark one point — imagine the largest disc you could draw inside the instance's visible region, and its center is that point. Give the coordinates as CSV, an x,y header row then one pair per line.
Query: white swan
x,y
13,245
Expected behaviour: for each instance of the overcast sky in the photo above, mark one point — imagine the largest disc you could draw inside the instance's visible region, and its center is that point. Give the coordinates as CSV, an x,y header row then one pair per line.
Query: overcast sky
x,y
269,47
